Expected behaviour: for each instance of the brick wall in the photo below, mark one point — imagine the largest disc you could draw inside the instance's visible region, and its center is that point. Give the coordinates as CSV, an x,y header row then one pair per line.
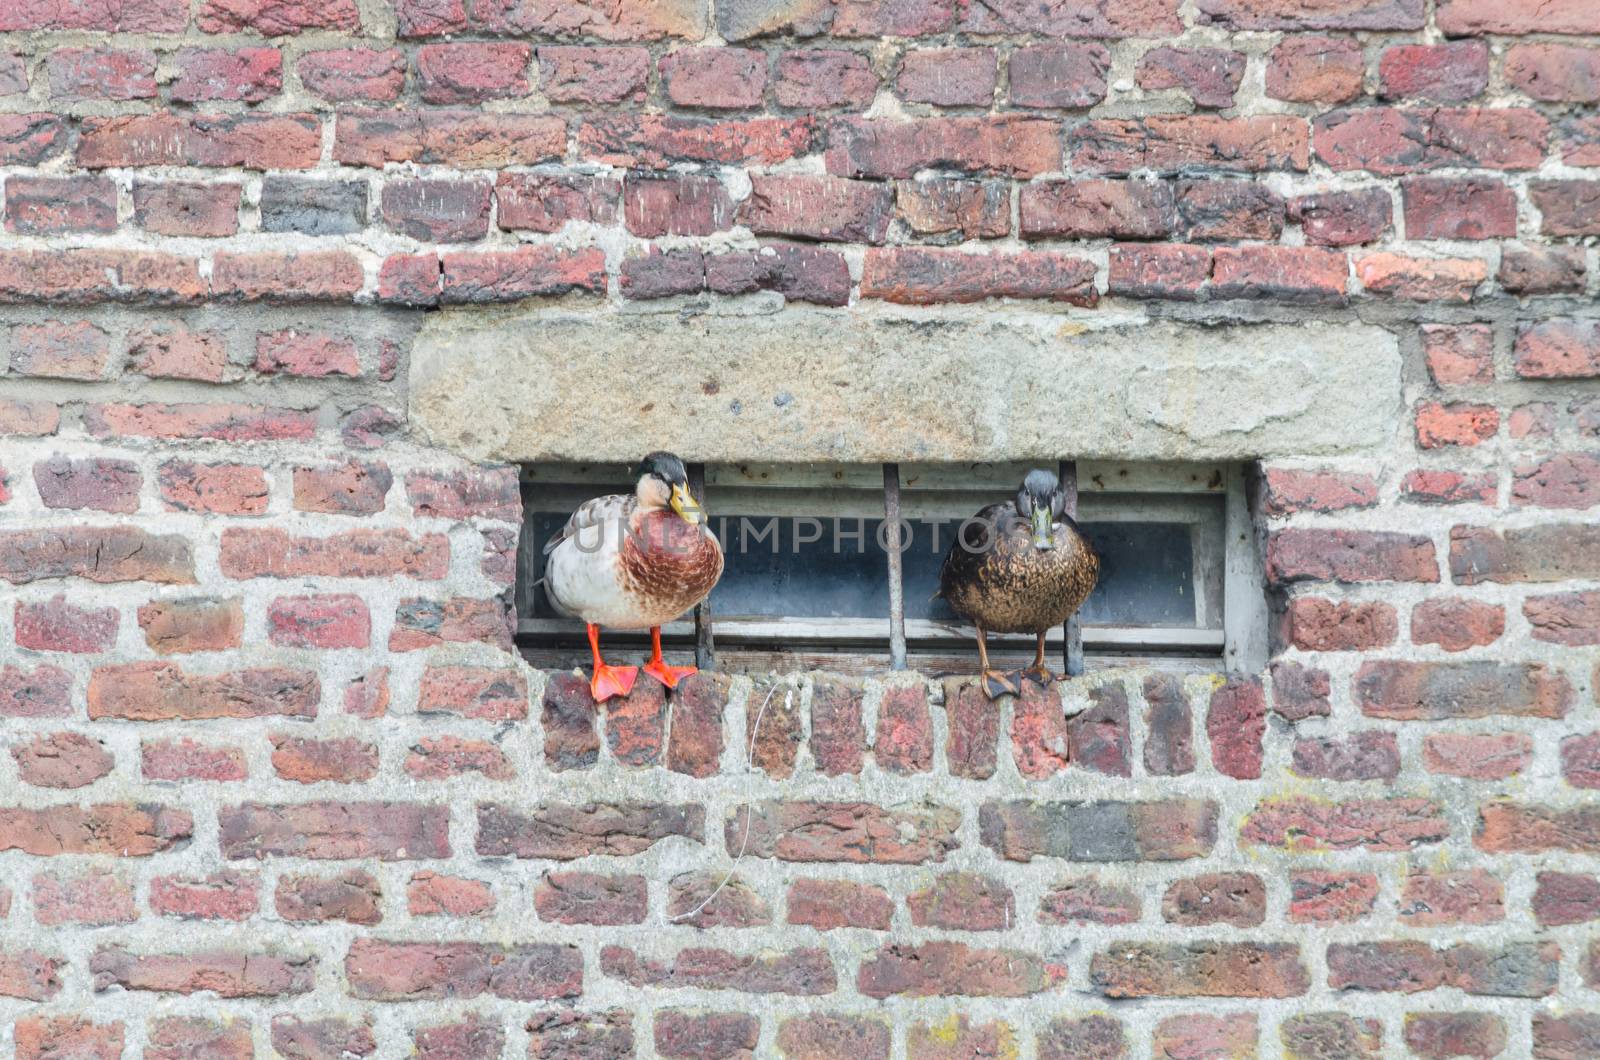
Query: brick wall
x,y
276,784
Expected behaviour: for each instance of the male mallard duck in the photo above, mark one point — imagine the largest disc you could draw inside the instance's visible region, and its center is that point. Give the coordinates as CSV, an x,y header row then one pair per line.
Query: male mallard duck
x,y
634,562
1019,567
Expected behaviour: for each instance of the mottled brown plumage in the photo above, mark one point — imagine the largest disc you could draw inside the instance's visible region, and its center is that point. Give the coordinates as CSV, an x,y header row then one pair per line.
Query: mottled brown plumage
x,y
1012,579
671,563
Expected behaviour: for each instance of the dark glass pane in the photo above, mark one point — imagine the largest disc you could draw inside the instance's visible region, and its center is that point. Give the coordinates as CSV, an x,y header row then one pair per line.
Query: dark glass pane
x,y
835,568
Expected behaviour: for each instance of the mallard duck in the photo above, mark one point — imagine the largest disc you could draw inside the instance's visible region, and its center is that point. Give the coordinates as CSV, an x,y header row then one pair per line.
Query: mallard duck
x,y
634,561
1021,566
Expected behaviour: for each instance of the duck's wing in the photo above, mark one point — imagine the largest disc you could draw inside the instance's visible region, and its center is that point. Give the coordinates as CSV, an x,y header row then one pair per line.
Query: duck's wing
x,y
617,507
971,543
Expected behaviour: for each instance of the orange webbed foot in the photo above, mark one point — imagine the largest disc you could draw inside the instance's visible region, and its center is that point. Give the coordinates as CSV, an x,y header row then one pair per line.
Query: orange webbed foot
x,y
611,681
669,675
1041,676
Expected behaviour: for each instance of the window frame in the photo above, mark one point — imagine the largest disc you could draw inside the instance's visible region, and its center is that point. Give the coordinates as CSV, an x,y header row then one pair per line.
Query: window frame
x,y
1237,641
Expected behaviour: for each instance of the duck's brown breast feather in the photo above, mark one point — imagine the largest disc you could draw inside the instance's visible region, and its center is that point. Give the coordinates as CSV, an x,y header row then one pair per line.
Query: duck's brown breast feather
x,y
669,562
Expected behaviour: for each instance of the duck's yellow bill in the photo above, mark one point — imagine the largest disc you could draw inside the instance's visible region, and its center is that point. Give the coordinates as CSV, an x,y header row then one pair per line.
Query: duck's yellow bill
x,y
1042,536
686,506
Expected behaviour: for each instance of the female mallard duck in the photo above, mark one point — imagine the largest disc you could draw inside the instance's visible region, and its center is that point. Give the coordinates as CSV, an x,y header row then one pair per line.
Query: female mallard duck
x,y
1019,567
634,562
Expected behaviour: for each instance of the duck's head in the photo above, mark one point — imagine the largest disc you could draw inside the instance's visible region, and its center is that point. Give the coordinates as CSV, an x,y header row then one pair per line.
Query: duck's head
x,y
1040,501
664,483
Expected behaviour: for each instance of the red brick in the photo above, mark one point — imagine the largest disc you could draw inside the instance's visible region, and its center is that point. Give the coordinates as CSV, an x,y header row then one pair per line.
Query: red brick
x,y
226,973
234,423
1350,556
185,759
646,21
33,976
567,716
172,351
1302,275
1458,423
437,211
1568,1037
1537,419
428,18
249,75
959,901
1206,969
1162,271
1441,691
1508,827
821,1037
351,896
904,740
463,138
830,904
331,621
513,275
59,350
822,79
93,483
933,969
186,208
1322,896
61,760
443,757
583,74
1315,624
183,1037
28,139
313,276
1169,727
99,554
1459,354
56,625
334,830
1098,736
352,488
1421,279
249,141
1449,487
1201,1035
557,1034
274,553
1458,208
430,894
799,273
1086,1038
272,18
545,202
1566,207
1542,270
803,972
1313,69
13,74
487,693
654,141
473,73
1518,970
1237,898
320,1039
1446,73
28,418
39,692
1299,823
1289,491
1555,73
355,75
1186,142
1580,760
483,492
590,898
695,740
1570,619
714,78
367,694
1562,898
1210,210
1558,349
1457,624
1060,18
1342,218
1472,896
60,1037
705,1036
50,205
421,624
1551,552
118,829
937,206
381,970
1088,901
563,832
947,77
1162,830
1438,1035
1312,14
157,691
1395,142
1119,209
817,207
1475,17
849,832
1235,723
1002,146
176,626
1566,480
1210,76
410,279
676,204
223,489
915,276
78,74
92,899
1479,756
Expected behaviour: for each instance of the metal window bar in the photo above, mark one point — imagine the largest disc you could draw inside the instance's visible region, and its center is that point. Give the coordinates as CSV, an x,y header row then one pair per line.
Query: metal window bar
x,y
1072,632
705,647
897,596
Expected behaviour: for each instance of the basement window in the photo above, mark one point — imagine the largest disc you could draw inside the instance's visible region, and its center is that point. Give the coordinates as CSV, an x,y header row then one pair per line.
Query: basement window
x,y
808,581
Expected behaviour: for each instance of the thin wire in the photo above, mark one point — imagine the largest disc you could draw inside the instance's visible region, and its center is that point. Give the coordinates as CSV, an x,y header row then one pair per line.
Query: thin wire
x,y
749,806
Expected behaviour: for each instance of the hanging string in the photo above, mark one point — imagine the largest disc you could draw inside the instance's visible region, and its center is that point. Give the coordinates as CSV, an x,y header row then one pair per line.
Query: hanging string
x,y
749,806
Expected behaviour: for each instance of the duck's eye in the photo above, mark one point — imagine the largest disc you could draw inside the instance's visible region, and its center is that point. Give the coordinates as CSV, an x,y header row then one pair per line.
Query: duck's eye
x,y
1025,503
